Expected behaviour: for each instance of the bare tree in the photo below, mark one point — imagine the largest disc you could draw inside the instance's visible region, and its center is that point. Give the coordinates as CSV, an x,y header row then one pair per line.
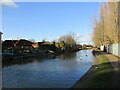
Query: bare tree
x,y
68,40
106,28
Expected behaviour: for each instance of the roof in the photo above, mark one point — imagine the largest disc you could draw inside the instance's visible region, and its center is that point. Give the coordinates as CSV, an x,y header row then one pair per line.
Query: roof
x,y
21,42
8,43
45,43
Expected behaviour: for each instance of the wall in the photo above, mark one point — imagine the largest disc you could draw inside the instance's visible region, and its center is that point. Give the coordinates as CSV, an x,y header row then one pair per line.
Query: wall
x,y
112,48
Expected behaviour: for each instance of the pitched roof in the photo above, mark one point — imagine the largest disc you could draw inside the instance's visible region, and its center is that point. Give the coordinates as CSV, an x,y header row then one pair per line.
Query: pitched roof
x,y
21,42
9,43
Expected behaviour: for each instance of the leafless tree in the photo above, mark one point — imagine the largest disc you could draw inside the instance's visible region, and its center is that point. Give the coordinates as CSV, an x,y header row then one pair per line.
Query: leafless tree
x,y
68,40
106,28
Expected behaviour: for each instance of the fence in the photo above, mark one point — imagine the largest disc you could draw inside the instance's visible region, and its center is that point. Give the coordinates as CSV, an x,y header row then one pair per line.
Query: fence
x,y
112,48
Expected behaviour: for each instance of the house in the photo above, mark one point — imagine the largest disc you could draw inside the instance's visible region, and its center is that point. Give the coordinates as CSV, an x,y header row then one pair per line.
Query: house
x,y
10,46
35,45
46,46
22,43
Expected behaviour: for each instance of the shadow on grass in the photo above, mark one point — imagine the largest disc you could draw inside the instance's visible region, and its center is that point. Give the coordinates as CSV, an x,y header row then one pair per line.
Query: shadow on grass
x,y
104,76
101,75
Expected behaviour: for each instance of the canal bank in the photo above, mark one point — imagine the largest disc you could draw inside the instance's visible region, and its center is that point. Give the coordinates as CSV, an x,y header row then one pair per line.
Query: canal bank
x,y
19,57
103,73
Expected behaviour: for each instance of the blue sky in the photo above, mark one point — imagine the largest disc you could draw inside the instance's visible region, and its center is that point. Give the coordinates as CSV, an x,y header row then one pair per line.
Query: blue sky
x,y
49,20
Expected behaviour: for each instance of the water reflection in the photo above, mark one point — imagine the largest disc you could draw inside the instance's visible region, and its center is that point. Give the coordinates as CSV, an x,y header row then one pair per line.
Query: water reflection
x,y
64,56
67,56
60,72
29,60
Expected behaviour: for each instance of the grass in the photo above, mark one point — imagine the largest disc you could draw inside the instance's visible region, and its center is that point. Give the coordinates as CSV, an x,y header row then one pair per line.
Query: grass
x,y
100,75
103,72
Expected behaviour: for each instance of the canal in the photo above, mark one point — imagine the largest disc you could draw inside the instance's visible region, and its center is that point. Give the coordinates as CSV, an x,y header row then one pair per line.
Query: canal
x,y
51,72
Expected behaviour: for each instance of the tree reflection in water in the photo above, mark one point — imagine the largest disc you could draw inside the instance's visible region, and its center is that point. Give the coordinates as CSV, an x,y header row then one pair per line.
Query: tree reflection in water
x,y
67,56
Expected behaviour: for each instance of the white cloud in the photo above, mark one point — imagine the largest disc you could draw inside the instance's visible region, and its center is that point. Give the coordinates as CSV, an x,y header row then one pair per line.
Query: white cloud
x,y
10,3
82,39
56,38
85,39
77,35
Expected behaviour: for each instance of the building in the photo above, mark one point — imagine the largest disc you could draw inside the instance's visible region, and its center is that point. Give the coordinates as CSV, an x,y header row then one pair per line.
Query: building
x,y
35,45
46,46
13,46
0,42
25,46
1,36
22,43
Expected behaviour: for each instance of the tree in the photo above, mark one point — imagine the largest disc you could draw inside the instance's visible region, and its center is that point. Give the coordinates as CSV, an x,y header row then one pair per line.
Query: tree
x,y
53,42
67,40
62,45
96,32
106,28
84,46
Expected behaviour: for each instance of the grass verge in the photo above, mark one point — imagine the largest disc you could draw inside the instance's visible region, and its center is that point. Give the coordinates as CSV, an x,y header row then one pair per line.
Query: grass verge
x,y
103,73
100,75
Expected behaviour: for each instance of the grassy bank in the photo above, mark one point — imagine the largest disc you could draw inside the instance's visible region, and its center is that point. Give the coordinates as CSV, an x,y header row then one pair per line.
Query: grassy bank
x,y
100,75
103,73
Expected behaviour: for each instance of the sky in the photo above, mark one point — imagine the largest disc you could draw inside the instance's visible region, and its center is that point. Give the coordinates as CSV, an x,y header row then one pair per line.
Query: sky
x,y
49,20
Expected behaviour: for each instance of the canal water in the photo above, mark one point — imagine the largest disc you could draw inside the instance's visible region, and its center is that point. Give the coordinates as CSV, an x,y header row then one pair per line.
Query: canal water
x,y
51,72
